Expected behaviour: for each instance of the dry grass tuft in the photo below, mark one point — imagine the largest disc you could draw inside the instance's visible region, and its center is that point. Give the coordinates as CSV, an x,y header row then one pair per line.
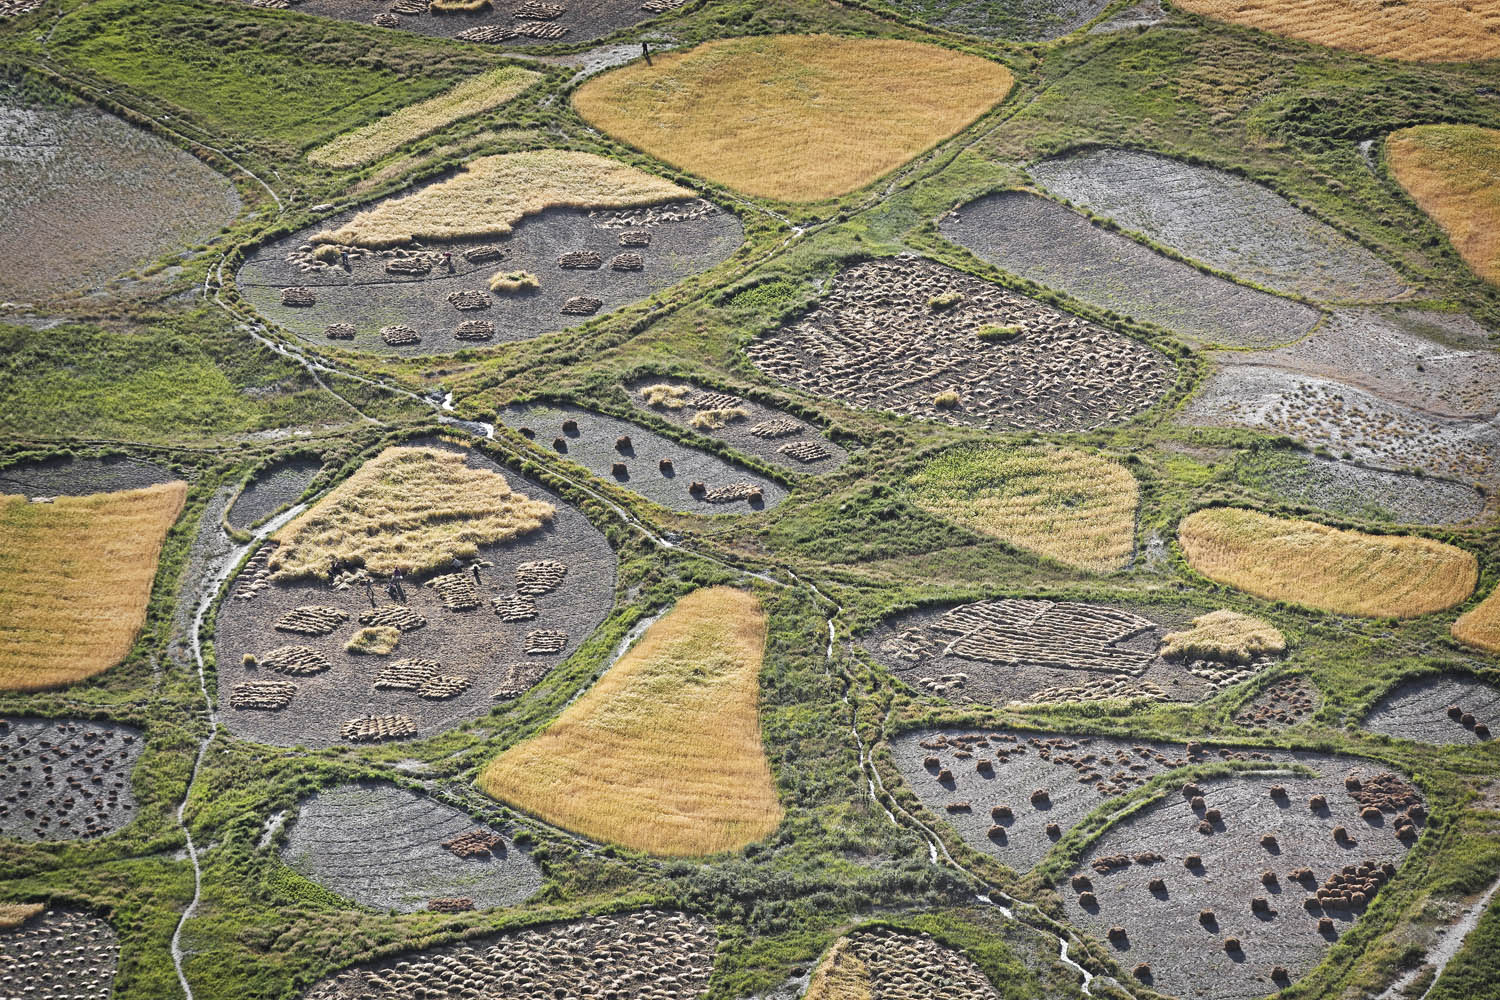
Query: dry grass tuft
x,y
413,509
514,282
1453,173
75,576
664,753
13,915
1068,505
1347,572
493,193
471,97
1480,626
840,976
714,420
1226,637
794,117
1413,30
376,640
672,397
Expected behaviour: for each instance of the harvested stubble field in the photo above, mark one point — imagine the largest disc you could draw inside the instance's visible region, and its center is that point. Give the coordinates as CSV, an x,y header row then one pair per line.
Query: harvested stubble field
x,y
84,196
79,477
1073,506
77,574
663,754
882,964
271,490
681,238
898,334
1229,223
1050,244
1419,30
470,97
61,954
1021,20
388,848
463,642
1244,885
1045,652
1355,491
794,117
1346,572
753,428
658,468
1422,710
1453,173
490,22
1286,702
66,779
645,955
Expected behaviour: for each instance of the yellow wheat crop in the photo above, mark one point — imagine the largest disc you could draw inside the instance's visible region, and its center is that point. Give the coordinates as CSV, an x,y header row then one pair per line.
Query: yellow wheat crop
x,y
1226,636
413,509
840,976
1348,572
664,753
491,194
75,576
471,97
1453,173
794,117
1414,30
1480,626
1068,505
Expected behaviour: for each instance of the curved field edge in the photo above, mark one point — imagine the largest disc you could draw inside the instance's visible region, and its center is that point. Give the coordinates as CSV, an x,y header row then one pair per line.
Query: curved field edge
x,y
1452,172
664,753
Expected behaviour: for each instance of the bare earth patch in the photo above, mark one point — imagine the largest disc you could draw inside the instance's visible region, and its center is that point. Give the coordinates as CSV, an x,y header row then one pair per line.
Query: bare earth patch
x,y
272,490
1229,223
62,954
84,196
1422,710
1355,491
1021,20
901,334
491,23
391,849
80,477
1052,245
66,779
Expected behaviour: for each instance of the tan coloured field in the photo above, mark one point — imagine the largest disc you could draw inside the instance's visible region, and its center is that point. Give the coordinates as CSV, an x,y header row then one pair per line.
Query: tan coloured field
x,y
664,753
471,97
1226,637
491,194
794,117
1068,505
1347,572
13,915
1413,30
75,576
1480,626
1453,173
840,976
413,509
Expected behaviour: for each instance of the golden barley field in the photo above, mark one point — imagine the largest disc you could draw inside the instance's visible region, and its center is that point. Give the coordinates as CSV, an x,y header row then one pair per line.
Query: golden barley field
x,y
840,976
794,117
75,577
413,509
1453,173
1480,626
1347,572
1066,504
491,194
470,97
1412,30
1225,636
664,753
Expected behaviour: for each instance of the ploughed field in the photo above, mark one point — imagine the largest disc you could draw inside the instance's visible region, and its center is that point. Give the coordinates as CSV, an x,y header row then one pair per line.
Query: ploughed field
x,y
66,779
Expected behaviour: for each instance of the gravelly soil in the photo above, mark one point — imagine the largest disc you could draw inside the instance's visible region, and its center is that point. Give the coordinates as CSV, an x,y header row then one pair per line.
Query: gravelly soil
x,y
84,196
1076,666
77,477
273,489
583,19
1354,491
382,846
594,446
1022,20
72,776
895,334
647,955
1052,245
1418,710
474,643
1229,223
738,433
367,297
60,954
1398,389
1187,955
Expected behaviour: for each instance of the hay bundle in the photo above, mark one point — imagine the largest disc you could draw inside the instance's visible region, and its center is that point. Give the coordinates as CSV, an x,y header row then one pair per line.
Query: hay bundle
x,y
487,34
374,728
732,492
515,608
627,262
386,20
538,29
474,844
468,300
395,616
539,576
483,252
715,401
397,335
269,696
580,260
456,591
780,427
581,305
661,6
409,7
544,642
311,619
535,10
804,451
408,265
406,675
299,661
450,904
342,331
475,329
298,296
444,686
635,238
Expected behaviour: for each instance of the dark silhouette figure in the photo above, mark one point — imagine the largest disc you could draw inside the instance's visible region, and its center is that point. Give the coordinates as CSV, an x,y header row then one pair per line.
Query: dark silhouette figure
x,y
646,51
